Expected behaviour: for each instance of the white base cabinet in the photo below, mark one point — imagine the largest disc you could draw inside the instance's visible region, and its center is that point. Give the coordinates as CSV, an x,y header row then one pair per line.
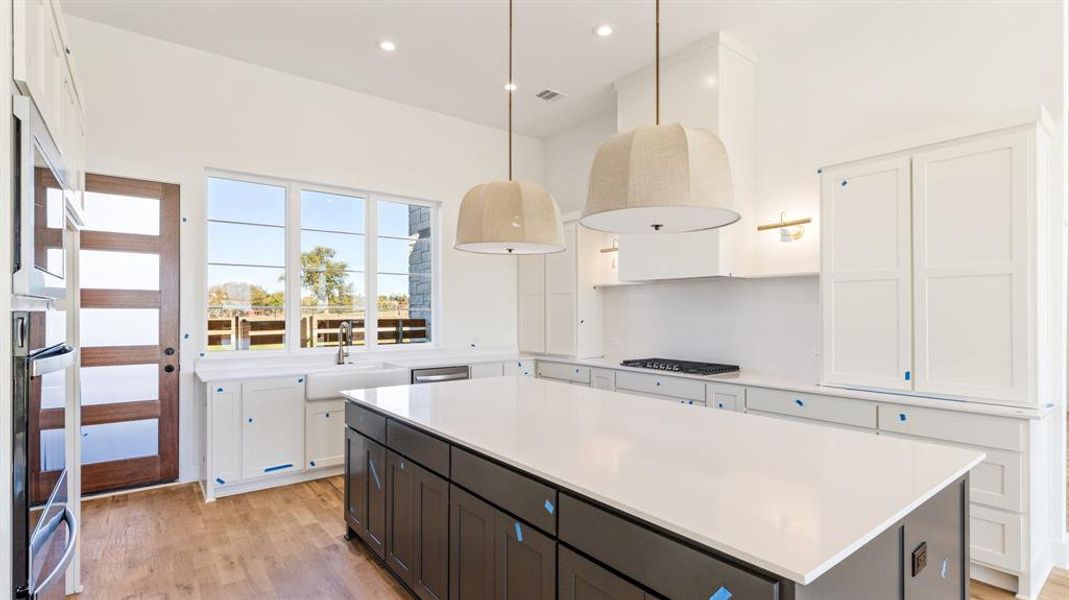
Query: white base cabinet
x,y
272,426
324,433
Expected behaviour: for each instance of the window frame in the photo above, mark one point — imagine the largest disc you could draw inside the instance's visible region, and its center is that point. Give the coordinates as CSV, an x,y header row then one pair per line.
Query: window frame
x,y
292,267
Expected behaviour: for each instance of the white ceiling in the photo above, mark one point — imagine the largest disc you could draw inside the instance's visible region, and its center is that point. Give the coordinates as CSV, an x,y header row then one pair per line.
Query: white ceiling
x,y
451,55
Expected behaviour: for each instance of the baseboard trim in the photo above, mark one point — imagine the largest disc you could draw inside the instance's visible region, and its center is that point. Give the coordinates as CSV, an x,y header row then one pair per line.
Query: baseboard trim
x,y
999,579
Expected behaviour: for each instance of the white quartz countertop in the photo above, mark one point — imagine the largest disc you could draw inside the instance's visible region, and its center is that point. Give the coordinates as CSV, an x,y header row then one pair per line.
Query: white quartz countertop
x,y
792,498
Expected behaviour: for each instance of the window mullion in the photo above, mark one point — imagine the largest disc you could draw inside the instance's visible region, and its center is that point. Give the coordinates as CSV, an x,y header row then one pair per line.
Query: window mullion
x,y
371,268
293,267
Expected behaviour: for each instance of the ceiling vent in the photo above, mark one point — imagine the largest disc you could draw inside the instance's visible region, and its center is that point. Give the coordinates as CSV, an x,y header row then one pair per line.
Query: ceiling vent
x,y
549,95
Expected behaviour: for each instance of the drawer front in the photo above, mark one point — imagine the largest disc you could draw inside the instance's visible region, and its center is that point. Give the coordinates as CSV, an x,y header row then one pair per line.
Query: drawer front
x,y
525,498
964,428
997,482
846,411
519,367
366,422
676,387
725,396
565,372
995,537
665,566
418,446
811,421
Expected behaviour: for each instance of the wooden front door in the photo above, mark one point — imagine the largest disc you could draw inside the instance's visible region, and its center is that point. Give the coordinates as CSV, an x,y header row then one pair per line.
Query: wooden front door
x,y
128,274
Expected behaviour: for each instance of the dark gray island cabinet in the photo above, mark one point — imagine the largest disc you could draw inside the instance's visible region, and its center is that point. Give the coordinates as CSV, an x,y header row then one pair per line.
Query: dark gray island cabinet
x,y
452,524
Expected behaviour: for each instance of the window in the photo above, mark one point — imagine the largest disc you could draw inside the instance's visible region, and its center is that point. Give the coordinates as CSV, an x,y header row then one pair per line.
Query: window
x,y
340,248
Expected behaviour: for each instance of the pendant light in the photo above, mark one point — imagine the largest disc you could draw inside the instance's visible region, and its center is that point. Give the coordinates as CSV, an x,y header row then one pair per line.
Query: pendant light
x,y
660,178
509,217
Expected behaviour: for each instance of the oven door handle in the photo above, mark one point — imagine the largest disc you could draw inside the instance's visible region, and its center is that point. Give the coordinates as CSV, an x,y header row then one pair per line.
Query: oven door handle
x,y
53,359
68,555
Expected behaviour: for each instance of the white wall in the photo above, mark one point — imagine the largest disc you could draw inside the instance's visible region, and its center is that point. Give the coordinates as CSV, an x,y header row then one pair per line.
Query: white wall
x,y
889,70
568,158
165,112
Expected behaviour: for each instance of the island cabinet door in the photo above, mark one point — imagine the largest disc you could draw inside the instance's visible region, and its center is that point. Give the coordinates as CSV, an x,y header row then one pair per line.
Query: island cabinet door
x,y
471,546
934,549
581,579
356,482
376,498
525,561
431,572
400,516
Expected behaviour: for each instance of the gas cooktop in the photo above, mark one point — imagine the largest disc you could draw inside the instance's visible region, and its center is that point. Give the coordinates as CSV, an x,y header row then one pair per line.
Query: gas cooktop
x,y
681,366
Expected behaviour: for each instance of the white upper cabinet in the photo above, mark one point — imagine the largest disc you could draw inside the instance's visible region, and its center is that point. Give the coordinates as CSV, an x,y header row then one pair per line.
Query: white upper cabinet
x,y
971,267
531,295
866,273
559,304
940,267
710,85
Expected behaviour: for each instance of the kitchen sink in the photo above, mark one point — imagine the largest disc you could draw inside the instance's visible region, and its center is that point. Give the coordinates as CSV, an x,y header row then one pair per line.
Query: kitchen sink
x,y
328,385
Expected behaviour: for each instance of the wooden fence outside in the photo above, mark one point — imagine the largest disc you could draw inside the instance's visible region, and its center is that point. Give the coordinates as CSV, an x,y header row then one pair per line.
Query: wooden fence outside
x,y
245,332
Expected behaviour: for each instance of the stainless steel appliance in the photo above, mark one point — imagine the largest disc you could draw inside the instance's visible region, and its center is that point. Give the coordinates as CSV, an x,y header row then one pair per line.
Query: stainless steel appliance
x,y
39,261
44,525
440,374
681,366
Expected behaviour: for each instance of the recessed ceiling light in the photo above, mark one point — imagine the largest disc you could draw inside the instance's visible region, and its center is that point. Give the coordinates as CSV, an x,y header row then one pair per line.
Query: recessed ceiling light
x,y
510,87
603,30
387,46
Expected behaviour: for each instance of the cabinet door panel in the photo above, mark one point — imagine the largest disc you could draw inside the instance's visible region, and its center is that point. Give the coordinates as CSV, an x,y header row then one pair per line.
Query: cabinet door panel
x,y
375,532
525,562
865,274
971,293
581,579
532,303
400,516
324,434
431,576
471,546
272,440
561,320
225,434
356,481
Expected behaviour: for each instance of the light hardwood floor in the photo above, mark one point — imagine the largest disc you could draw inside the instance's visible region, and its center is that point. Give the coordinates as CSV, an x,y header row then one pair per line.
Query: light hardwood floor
x,y
281,543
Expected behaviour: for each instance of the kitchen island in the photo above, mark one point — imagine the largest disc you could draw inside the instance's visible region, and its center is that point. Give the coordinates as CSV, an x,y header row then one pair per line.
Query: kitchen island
x,y
516,487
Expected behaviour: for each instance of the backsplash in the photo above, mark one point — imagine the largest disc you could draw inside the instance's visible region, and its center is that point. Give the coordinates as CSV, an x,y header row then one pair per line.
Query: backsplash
x,y
766,326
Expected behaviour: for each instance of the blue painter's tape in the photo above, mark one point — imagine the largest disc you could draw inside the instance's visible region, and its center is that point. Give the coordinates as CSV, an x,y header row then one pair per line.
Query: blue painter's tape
x,y
219,481
721,594
519,532
375,474
278,467
218,389
844,185
908,375
944,568
799,402
549,507
250,419
902,417
301,380
312,462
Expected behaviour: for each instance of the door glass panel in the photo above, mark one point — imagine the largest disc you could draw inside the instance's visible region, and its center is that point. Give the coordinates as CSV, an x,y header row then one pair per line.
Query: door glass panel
x,y
116,441
120,327
54,389
99,269
123,383
246,308
121,214
53,456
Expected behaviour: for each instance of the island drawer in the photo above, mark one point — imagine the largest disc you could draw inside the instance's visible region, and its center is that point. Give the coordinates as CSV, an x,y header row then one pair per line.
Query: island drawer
x,y
428,451
667,567
565,372
522,496
675,387
965,428
845,411
370,424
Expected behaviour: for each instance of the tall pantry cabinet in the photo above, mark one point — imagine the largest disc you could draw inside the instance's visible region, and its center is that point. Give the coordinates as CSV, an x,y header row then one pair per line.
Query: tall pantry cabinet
x,y
936,269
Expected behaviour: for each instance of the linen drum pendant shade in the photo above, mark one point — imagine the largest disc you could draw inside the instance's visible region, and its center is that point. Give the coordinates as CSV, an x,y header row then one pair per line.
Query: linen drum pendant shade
x,y
660,178
509,217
